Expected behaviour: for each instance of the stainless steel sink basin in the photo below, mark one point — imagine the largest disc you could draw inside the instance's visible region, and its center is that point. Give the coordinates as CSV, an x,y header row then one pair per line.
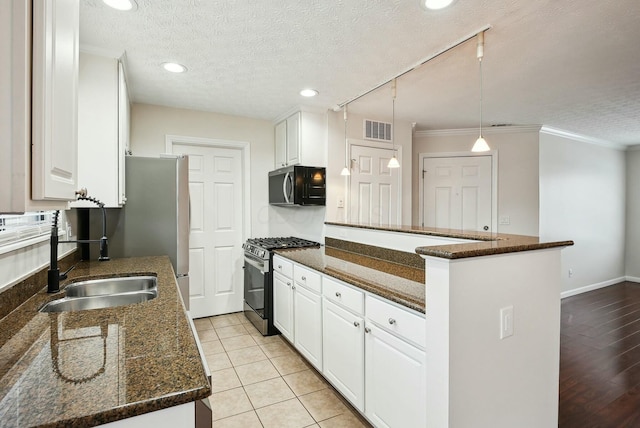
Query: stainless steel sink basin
x,y
98,302
110,286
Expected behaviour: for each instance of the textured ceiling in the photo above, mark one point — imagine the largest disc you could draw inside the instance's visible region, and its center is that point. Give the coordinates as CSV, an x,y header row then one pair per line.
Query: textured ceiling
x,y
569,64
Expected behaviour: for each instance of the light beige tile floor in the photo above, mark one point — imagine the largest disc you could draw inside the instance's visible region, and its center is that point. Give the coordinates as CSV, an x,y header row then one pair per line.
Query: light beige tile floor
x,y
263,382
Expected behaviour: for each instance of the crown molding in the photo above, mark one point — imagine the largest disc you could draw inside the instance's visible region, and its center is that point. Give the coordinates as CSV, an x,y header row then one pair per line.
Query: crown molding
x,y
634,148
511,129
582,138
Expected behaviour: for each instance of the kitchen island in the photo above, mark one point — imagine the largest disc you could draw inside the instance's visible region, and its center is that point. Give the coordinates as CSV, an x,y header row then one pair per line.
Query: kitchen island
x,y
492,322
94,367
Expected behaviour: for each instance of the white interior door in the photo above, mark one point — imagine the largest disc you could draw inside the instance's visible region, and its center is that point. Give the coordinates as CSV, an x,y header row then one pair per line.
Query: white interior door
x,y
373,192
215,239
458,192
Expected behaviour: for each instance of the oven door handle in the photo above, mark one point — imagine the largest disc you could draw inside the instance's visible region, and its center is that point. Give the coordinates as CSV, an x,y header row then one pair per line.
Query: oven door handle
x,y
258,264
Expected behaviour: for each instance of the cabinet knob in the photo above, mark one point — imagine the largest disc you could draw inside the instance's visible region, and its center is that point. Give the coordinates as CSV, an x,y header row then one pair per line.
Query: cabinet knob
x,y
288,283
356,324
304,278
338,294
367,330
294,287
279,266
392,321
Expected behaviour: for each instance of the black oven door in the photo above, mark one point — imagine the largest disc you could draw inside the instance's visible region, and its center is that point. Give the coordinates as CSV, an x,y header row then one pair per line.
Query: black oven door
x,y
255,282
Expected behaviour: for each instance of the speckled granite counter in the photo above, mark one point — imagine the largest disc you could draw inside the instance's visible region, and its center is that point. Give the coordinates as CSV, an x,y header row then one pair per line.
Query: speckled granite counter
x,y
490,243
82,369
352,269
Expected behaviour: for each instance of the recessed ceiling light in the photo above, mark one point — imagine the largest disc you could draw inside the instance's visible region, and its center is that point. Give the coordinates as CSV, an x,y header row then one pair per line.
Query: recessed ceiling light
x,y
125,5
435,4
174,67
308,92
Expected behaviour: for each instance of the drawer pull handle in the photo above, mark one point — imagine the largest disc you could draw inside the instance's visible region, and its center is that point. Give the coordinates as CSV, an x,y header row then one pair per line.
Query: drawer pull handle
x,y
367,330
304,278
392,321
338,294
356,324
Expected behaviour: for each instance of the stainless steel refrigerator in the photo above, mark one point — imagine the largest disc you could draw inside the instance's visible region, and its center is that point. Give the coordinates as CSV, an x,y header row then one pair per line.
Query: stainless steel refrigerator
x,y
155,218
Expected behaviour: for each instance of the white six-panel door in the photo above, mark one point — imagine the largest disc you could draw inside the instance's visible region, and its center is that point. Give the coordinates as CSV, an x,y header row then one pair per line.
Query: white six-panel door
x,y
373,190
215,239
458,192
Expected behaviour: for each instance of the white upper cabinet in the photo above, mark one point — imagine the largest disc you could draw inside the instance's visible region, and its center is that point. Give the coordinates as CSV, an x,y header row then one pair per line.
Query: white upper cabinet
x,y
50,119
301,139
55,99
103,129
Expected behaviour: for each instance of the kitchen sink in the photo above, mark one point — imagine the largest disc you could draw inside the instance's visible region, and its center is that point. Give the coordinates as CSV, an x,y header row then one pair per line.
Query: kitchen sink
x,y
110,286
71,304
105,293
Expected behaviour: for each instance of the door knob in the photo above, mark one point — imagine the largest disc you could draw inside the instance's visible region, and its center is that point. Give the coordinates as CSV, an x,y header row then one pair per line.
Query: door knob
x,y
486,228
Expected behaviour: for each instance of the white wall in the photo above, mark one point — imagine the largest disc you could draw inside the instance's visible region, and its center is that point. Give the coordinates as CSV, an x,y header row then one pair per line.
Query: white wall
x,y
632,264
517,170
337,185
150,124
582,197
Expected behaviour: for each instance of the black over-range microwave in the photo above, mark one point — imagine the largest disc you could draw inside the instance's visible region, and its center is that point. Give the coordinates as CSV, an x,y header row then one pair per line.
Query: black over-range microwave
x,y
298,185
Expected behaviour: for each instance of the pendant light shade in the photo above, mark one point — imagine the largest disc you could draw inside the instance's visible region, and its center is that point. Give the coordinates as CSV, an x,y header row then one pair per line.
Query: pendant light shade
x,y
345,170
393,162
480,144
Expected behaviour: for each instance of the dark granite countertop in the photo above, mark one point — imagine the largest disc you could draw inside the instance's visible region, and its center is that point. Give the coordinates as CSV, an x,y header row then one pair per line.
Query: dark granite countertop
x,y
489,243
82,369
355,270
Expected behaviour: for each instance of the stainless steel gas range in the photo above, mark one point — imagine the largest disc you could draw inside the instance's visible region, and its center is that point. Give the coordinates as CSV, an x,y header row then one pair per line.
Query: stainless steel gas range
x,y
258,278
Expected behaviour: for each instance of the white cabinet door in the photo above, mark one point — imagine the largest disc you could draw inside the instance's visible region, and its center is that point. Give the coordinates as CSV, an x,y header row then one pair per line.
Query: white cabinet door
x,y
308,324
281,144
343,352
293,138
395,381
283,305
55,99
124,114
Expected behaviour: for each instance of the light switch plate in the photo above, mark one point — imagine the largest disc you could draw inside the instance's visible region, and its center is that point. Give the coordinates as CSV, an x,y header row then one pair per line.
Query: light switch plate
x,y
506,322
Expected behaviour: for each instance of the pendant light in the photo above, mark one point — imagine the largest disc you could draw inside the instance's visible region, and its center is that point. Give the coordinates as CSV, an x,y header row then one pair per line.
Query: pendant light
x,y
480,144
345,170
393,162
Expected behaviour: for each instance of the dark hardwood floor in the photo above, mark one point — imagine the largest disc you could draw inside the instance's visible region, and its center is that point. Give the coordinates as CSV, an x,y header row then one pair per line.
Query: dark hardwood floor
x,y
600,358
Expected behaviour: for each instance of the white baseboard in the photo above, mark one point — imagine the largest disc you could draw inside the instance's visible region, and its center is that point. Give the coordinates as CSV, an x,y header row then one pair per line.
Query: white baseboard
x,y
632,278
592,287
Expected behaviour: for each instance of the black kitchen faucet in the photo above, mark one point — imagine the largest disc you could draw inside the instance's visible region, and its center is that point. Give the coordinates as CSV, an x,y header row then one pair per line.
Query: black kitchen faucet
x,y
54,276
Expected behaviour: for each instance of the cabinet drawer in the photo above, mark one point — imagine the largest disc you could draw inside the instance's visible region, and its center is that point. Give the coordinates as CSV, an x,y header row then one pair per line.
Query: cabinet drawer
x,y
285,267
344,295
308,278
403,323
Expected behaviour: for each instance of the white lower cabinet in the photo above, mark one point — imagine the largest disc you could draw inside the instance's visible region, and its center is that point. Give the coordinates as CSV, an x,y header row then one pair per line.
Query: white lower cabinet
x,y
395,392
308,324
343,352
283,305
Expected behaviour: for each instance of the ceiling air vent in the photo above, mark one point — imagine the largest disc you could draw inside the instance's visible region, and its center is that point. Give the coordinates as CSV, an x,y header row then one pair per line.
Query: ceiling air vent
x,y
379,131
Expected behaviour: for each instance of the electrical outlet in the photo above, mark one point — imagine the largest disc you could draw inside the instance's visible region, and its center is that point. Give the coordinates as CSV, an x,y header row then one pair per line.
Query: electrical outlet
x,y
506,322
504,220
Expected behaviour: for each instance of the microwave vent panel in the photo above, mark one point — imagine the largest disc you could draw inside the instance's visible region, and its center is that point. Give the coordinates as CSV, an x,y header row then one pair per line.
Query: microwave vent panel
x,y
379,131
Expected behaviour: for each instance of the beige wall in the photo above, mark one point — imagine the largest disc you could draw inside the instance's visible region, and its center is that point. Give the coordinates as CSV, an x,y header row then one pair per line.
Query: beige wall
x,y
150,124
517,171
633,214
582,198
337,185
